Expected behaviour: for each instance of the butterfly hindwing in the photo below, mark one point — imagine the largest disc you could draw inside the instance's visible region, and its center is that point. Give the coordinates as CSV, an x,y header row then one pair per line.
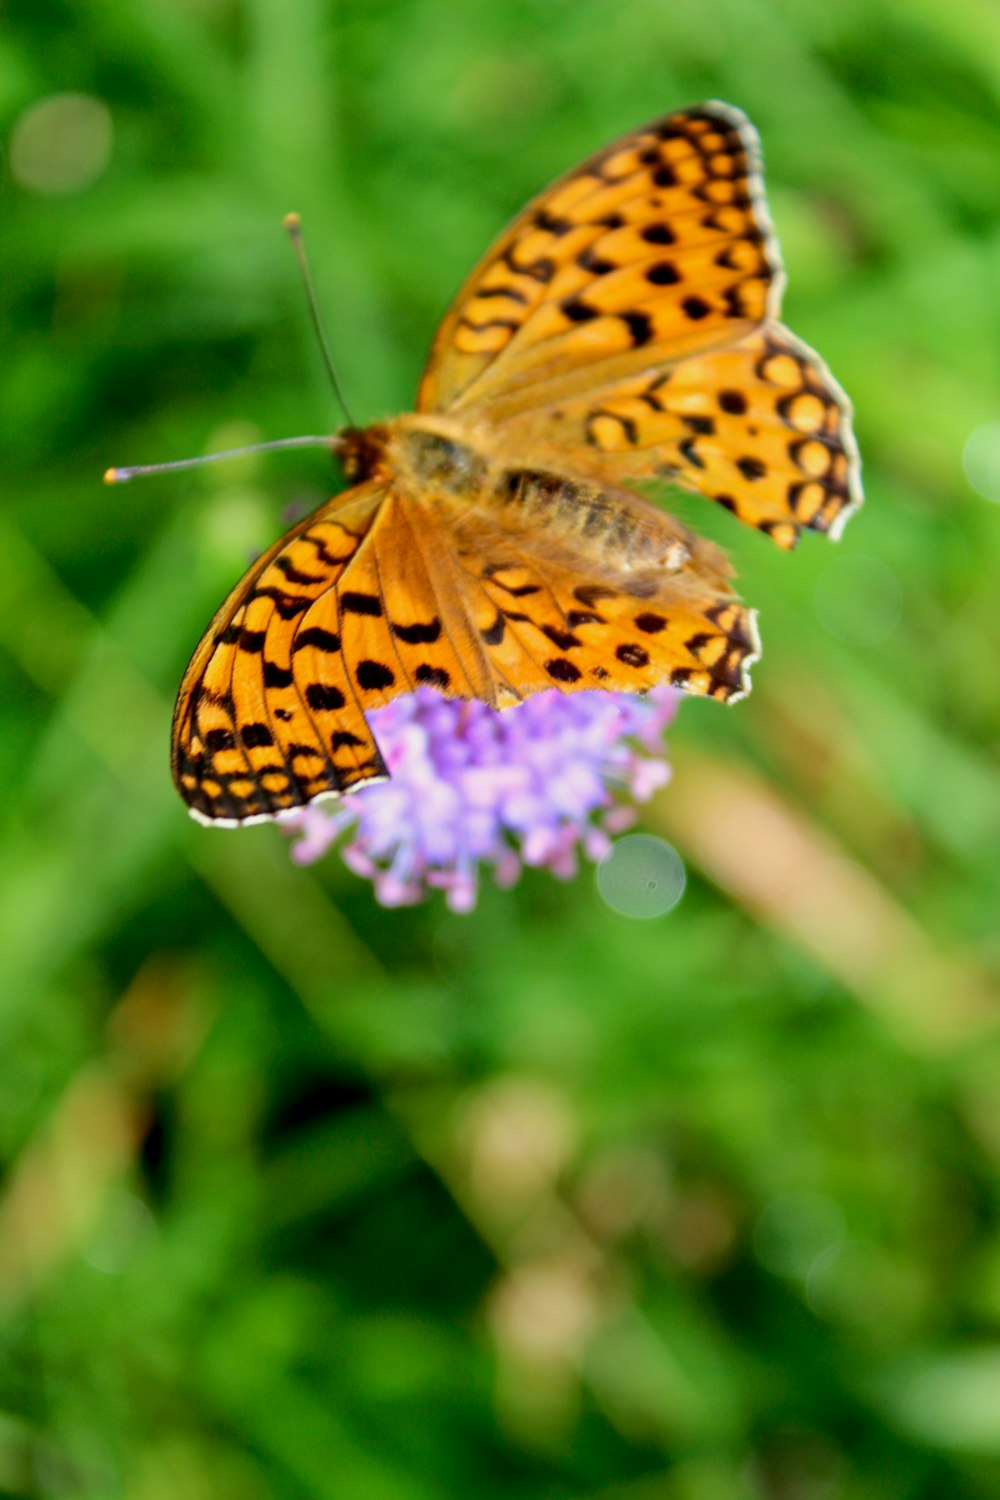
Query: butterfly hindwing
x,y
551,619
760,427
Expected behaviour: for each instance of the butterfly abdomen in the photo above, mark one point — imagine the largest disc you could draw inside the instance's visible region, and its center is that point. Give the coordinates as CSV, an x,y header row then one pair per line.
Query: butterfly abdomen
x,y
605,524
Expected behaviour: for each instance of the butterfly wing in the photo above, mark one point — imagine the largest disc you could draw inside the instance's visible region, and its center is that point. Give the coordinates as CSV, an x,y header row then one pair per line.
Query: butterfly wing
x,y
761,427
367,599
549,618
352,607
399,626
654,248
447,597
627,320
251,739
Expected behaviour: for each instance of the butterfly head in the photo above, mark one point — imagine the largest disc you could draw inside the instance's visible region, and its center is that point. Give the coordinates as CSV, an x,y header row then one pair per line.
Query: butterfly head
x,y
361,451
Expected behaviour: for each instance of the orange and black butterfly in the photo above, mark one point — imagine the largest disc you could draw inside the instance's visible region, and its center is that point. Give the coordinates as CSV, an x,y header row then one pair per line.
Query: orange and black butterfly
x,y
623,328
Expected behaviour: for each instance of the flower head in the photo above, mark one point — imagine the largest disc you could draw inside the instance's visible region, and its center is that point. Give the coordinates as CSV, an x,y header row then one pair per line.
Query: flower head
x,y
533,785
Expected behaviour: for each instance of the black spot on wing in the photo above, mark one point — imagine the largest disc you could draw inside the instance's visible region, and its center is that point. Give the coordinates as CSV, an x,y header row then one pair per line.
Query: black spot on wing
x,y
509,323
592,433
690,452
696,308
373,675
751,468
324,554
295,575
658,234
596,264
419,634
219,739
254,735
324,697
542,269
564,639
322,640
435,677
640,327
354,603
498,291
275,676
516,591
590,593
551,224
562,670
287,605
578,311
633,655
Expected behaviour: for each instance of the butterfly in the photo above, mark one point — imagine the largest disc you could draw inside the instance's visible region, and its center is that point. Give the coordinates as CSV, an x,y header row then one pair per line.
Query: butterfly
x,y
491,544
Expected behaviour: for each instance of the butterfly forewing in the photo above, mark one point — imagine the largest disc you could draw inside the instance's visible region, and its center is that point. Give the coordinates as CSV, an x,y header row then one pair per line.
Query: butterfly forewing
x,y
655,248
398,624
629,313
253,736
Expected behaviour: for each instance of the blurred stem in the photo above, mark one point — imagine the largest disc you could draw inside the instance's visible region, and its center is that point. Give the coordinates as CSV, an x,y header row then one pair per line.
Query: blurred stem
x,y
792,876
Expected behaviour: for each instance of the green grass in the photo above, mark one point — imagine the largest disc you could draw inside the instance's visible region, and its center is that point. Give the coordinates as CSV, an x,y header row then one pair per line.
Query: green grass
x,y
307,1199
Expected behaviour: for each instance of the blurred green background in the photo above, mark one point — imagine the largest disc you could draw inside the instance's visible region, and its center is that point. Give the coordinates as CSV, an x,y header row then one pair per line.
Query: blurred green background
x,y
307,1199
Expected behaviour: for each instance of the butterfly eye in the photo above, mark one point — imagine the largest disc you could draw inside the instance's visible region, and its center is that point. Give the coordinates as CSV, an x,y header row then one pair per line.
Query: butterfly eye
x,y
362,452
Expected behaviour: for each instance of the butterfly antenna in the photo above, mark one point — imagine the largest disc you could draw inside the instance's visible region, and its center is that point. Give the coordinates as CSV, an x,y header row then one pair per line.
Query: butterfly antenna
x,y
122,476
293,224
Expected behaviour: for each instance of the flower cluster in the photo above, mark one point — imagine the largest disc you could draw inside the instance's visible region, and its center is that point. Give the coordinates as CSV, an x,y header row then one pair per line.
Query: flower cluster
x,y
534,785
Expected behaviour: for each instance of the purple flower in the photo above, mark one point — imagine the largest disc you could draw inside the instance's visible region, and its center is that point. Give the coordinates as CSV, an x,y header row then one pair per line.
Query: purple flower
x,y
534,785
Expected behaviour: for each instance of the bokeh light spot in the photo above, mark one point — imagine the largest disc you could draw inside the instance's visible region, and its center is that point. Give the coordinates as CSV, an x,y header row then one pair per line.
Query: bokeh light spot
x,y
61,144
981,460
641,876
794,1229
